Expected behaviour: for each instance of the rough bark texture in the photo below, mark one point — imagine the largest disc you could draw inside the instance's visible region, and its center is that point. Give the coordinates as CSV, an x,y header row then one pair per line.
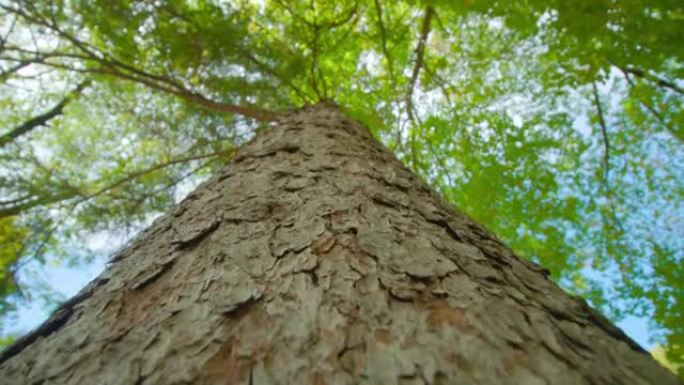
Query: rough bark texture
x,y
316,257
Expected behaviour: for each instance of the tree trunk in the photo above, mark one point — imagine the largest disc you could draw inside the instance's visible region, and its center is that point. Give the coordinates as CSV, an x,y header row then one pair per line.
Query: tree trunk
x,y
316,257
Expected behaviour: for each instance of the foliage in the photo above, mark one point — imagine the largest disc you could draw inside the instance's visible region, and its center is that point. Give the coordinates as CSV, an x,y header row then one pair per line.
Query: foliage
x,y
658,354
558,124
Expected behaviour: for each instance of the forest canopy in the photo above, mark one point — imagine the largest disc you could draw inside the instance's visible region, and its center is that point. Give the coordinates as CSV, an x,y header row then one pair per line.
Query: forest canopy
x,y
557,124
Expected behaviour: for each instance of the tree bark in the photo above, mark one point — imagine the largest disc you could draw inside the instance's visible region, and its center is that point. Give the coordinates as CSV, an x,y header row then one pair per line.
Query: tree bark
x,y
316,257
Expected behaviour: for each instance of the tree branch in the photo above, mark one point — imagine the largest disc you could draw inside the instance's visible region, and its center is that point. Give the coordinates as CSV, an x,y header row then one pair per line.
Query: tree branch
x,y
678,135
17,209
604,133
655,79
3,39
21,63
158,82
264,67
420,56
43,118
248,111
73,192
315,28
383,40
138,174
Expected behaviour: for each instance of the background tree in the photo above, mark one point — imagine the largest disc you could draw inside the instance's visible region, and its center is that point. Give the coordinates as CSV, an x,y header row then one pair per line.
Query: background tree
x,y
558,125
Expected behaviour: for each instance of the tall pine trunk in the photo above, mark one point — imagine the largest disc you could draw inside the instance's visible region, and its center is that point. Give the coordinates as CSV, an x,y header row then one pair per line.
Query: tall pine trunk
x,y
315,257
